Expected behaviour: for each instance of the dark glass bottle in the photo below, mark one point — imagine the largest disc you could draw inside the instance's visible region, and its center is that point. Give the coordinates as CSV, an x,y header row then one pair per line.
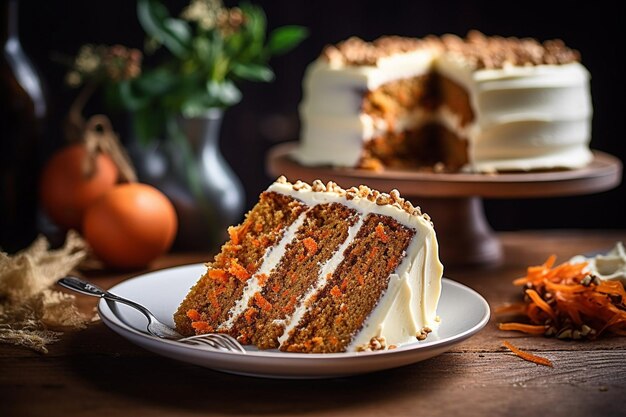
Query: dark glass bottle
x,y
23,111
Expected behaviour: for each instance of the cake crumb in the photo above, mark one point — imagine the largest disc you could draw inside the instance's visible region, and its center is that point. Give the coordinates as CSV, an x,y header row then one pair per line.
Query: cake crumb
x,y
375,343
423,334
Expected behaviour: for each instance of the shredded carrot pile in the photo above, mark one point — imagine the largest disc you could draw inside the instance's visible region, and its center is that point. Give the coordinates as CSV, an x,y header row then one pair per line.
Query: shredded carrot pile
x,y
566,302
528,356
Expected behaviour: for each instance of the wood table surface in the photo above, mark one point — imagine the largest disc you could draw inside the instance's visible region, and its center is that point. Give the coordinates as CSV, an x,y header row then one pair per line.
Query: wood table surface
x,y
95,372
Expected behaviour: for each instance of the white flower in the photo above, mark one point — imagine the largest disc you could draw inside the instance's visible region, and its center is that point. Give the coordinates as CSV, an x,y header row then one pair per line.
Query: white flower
x,y
88,59
204,12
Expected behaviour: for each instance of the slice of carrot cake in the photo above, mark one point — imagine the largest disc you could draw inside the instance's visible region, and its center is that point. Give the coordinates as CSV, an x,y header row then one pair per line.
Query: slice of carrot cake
x,y
316,268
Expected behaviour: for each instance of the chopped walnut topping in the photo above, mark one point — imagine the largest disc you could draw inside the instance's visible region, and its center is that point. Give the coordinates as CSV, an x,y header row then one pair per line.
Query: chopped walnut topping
x,y
478,50
362,191
395,195
383,199
422,334
493,52
299,185
333,187
318,186
376,343
351,193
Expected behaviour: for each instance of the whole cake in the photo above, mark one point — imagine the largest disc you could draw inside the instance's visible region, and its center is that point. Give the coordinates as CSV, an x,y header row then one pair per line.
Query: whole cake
x,y
479,104
316,268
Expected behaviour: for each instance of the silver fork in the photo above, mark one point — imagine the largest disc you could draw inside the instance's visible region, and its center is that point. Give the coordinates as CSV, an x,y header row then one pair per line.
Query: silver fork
x,y
218,341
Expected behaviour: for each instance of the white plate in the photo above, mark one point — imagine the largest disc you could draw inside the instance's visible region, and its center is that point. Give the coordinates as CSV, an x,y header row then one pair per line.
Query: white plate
x,y
463,313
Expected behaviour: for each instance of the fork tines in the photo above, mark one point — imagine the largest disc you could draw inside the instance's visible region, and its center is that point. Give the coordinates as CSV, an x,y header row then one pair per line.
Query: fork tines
x,y
218,341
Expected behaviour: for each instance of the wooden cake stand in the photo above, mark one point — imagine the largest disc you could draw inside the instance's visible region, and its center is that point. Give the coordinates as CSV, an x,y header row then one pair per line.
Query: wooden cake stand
x,y
454,201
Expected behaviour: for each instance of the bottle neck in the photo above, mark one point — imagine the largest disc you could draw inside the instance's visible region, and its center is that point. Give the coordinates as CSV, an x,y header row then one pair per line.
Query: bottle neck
x,y
9,18
14,57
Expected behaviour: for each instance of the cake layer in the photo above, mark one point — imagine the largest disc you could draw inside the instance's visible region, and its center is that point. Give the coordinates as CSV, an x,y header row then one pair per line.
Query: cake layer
x,y
341,308
208,303
325,227
427,145
410,301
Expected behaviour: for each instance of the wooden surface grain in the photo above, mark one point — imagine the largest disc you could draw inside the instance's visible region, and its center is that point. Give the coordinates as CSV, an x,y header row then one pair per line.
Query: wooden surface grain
x,y
95,372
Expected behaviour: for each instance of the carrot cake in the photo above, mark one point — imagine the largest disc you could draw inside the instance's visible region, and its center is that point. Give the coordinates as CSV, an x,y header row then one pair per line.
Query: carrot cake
x,y
316,268
478,104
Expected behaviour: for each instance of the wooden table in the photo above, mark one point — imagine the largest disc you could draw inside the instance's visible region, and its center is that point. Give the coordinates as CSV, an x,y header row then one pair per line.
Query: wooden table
x,y
95,372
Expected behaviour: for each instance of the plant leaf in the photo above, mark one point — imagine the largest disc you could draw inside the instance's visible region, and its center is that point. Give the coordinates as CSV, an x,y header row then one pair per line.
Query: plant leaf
x,y
204,50
253,72
148,124
234,44
217,94
197,104
226,92
285,38
156,82
128,97
175,34
254,32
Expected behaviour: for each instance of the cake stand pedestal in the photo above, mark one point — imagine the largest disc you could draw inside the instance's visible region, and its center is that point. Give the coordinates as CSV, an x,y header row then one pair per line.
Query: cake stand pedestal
x,y
454,201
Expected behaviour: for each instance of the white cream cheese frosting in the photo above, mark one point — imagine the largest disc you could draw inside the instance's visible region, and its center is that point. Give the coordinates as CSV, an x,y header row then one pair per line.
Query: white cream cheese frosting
x,y
410,301
526,117
610,266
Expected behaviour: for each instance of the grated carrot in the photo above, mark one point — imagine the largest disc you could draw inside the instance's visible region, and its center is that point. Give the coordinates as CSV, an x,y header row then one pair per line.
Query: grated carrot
x,y
262,302
234,237
565,297
335,291
262,279
361,279
238,271
219,275
310,245
193,315
215,303
380,233
540,303
202,327
528,356
291,305
392,263
526,328
250,314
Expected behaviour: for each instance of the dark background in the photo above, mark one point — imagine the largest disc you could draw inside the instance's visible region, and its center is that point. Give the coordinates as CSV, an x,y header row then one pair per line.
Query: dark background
x,y
268,112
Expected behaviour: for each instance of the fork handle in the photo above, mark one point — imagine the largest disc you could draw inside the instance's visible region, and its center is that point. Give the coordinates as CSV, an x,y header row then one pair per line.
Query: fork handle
x,y
81,286
84,287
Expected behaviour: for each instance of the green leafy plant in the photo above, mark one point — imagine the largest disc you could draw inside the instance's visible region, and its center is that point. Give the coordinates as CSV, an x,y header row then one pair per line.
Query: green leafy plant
x,y
201,58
